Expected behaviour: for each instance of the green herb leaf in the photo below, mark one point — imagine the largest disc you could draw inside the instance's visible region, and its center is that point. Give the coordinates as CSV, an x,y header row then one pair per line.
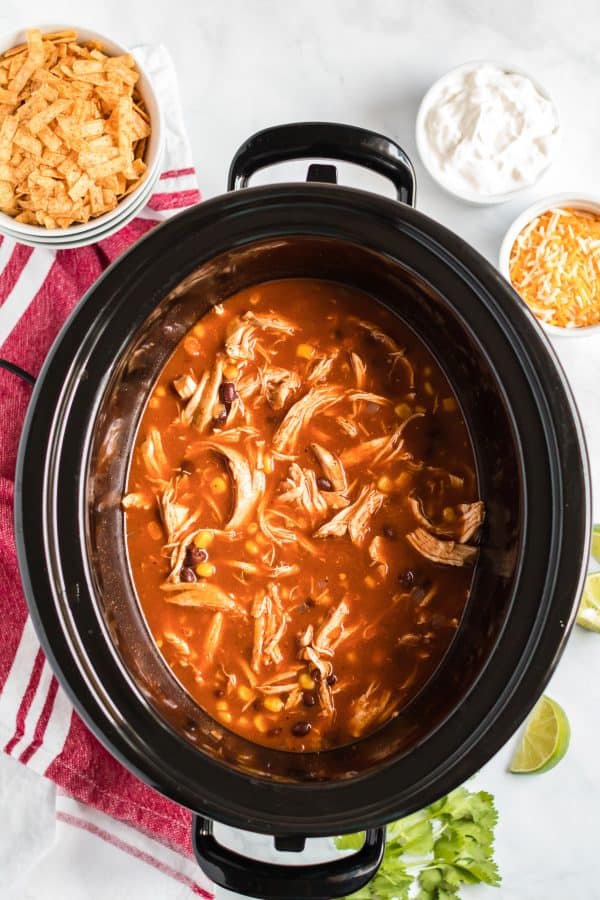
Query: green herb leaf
x,y
438,849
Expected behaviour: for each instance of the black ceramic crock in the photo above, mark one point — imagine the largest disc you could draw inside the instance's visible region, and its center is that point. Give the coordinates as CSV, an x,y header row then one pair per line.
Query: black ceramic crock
x,y
532,471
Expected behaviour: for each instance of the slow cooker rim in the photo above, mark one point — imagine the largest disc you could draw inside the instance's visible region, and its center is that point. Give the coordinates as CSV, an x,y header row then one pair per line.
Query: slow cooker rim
x,y
246,197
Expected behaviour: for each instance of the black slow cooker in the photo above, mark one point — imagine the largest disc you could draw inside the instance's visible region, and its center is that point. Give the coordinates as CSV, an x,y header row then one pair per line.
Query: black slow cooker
x,y
532,471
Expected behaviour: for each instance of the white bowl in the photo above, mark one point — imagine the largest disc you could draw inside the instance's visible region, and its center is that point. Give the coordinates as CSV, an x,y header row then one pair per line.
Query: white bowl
x,y
126,208
70,241
428,159
577,201
67,239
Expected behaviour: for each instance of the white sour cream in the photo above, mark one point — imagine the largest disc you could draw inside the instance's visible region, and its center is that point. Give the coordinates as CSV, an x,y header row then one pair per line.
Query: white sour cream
x,y
488,131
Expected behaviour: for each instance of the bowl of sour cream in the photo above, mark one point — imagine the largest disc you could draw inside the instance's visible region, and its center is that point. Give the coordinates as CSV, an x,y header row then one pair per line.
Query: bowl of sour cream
x,y
486,131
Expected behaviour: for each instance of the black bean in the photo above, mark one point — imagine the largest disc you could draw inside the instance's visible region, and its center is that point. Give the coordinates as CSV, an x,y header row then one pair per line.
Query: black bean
x,y
406,578
309,698
219,692
301,728
389,532
195,555
227,392
309,602
315,675
324,484
187,467
191,725
273,732
332,679
187,574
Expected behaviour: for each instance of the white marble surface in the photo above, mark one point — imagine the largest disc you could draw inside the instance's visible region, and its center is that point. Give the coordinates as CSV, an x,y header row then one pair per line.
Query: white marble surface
x,y
244,65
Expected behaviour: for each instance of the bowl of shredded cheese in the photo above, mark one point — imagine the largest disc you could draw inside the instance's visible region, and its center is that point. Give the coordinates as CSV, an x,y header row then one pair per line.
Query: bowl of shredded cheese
x,y
551,256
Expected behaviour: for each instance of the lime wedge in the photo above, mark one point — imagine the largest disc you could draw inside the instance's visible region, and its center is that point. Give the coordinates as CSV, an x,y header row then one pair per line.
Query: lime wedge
x,y
589,608
596,542
544,741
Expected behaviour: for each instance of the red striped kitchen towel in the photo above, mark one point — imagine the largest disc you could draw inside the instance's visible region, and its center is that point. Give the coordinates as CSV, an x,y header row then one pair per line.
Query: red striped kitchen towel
x,y
38,289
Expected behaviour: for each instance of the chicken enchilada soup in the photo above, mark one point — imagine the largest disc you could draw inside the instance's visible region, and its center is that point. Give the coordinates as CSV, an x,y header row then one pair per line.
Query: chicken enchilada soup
x,y
302,514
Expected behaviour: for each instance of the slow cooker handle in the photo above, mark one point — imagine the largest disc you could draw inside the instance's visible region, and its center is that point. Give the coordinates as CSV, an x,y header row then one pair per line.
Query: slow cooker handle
x,y
253,878
324,140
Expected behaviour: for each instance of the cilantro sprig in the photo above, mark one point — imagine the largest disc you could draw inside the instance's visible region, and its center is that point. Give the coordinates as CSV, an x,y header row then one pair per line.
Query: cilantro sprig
x,y
431,854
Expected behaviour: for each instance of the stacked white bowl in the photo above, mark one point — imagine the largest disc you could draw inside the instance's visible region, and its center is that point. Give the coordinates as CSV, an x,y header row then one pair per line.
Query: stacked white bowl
x,y
128,208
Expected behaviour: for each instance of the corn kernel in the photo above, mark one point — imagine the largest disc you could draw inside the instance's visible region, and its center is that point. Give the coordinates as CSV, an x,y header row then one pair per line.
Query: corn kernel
x,y
252,528
198,330
204,539
449,404
273,704
230,373
261,723
225,717
154,403
306,682
385,484
403,410
154,530
243,722
305,351
402,479
252,548
244,693
205,570
285,594
218,485
161,391
342,576
370,582
191,346
262,540
448,514
221,705
268,465
428,388
254,298
352,657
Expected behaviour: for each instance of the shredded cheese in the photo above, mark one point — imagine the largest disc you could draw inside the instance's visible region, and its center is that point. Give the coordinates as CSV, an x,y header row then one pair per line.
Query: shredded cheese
x,y
555,267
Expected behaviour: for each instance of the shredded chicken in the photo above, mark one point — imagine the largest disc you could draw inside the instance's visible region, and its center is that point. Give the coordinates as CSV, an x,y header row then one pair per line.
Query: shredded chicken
x,y
333,622
300,488
154,457
270,622
185,386
175,517
347,426
381,450
371,707
242,333
278,385
319,368
359,369
189,410
249,485
380,336
203,595
210,396
213,635
354,520
137,500
466,522
332,466
316,400
449,553
377,554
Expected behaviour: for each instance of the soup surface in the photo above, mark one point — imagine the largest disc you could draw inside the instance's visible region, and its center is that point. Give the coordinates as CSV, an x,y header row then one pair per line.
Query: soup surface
x,y
302,514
